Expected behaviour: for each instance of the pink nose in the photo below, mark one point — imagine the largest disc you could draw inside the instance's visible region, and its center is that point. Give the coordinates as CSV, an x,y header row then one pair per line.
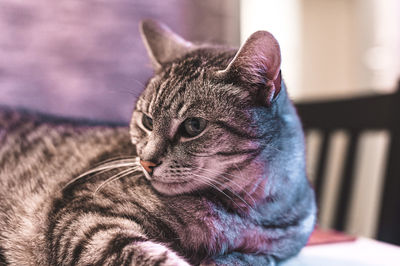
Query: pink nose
x,y
148,166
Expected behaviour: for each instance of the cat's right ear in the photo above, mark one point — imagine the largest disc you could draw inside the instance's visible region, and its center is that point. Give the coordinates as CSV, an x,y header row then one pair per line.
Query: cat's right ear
x,y
257,65
162,44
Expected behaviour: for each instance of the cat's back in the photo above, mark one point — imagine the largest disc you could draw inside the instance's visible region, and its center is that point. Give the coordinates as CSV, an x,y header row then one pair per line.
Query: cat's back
x,y
40,154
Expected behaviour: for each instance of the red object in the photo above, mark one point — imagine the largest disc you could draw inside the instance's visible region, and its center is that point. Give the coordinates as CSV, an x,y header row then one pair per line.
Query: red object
x,y
320,236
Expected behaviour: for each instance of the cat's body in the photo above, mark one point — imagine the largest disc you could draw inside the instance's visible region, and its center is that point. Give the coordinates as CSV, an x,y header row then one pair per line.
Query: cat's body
x,y
235,193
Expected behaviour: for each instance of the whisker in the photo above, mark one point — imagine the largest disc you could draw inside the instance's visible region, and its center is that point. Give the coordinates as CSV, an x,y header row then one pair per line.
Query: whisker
x,y
230,190
207,182
219,174
103,168
274,148
139,82
243,189
144,100
116,159
115,177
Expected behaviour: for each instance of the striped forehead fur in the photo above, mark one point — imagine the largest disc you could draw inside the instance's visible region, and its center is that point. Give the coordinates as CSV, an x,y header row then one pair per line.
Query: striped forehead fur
x,y
191,78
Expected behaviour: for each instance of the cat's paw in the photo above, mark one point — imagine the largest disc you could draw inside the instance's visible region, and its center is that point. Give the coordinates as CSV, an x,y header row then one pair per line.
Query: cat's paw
x,y
158,254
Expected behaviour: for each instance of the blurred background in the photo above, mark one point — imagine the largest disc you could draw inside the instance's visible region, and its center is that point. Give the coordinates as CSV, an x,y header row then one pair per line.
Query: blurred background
x,y
86,59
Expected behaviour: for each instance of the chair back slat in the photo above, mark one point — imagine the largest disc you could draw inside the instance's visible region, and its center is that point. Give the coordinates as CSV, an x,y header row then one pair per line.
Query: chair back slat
x,y
346,183
321,166
389,218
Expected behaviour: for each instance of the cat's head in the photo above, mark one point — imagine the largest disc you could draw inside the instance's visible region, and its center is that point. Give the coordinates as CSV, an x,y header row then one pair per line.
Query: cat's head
x,y
209,114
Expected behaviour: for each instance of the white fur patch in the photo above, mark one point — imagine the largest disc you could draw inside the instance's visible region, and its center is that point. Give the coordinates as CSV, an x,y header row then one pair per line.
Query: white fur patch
x,y
155,250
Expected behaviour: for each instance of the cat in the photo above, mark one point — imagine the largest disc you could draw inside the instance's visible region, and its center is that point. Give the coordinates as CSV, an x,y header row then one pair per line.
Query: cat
x,y
215,175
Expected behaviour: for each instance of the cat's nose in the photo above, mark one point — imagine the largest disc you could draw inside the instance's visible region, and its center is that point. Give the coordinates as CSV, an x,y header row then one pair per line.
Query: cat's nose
x,y
148,166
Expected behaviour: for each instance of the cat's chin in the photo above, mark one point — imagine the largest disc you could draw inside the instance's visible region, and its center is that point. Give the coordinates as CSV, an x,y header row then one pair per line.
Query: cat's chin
x,y
173,188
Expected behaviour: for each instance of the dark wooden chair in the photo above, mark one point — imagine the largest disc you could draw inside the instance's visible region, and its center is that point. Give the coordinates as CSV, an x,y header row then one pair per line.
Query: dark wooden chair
x,y
356,115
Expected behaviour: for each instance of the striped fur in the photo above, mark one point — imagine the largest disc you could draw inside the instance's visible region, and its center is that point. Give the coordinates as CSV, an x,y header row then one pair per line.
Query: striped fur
x,y
73,193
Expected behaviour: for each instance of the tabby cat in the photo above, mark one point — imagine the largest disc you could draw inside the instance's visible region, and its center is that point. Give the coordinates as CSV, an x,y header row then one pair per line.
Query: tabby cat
x,y
216,175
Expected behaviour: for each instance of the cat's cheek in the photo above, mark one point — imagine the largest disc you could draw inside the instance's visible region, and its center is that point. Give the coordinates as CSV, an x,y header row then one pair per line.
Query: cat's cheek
x,y
177,188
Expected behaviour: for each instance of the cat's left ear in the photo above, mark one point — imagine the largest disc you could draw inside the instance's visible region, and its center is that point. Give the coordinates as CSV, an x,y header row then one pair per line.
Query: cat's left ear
x,y
162,44
257,65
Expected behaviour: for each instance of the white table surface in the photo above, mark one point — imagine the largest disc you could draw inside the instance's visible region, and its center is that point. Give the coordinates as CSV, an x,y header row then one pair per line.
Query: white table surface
x,y
362,251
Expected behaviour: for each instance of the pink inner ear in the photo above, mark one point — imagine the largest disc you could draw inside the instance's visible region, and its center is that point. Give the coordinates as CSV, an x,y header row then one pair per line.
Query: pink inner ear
x,y
264,50
258,60
271,91
277,84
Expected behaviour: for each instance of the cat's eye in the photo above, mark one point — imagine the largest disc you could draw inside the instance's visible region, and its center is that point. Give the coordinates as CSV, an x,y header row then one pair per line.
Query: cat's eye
x,y
147,122
193,126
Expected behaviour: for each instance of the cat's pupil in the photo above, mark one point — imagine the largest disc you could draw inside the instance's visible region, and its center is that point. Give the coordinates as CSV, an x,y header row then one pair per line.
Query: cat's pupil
x,y
193,126
147,122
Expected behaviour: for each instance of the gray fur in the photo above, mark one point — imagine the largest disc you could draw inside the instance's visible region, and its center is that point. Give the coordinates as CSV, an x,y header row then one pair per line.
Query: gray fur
x,y
235,194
